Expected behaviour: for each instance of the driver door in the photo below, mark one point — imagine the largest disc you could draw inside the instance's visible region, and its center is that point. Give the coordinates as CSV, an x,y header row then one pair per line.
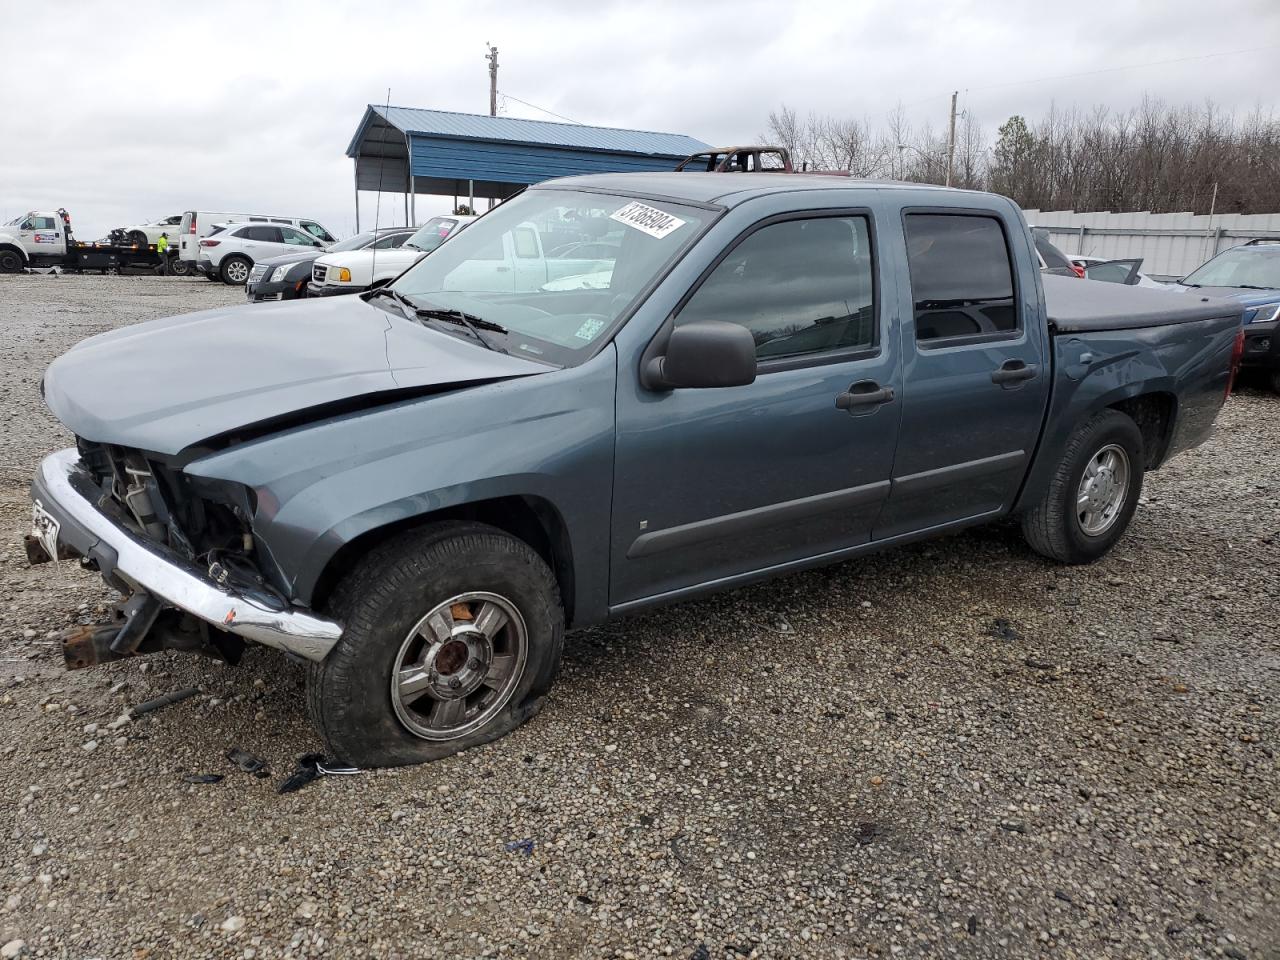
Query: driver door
x,y
716,484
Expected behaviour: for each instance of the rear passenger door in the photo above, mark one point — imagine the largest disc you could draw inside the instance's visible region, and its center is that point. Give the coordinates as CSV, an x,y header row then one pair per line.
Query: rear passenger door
x,y
974,383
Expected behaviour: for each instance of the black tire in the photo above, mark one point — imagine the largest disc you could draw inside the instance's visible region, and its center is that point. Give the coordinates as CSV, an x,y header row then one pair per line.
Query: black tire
x,y
140,238
178,268
10,261
1273,378
349,695
1054,528
235,266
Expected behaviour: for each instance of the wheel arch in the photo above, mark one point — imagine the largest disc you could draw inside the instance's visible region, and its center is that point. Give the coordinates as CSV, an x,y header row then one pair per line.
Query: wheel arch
x,y
1155,412
532,519
22,254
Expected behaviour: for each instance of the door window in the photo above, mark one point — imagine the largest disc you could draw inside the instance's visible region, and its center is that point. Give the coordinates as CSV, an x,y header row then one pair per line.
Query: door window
x,y
801,287
41,223
961,277
297,237
525,241
391,242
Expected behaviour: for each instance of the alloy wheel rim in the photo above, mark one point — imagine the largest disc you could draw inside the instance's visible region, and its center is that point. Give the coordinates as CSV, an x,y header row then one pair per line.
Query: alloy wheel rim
x,y
459,666
237,271
1103,489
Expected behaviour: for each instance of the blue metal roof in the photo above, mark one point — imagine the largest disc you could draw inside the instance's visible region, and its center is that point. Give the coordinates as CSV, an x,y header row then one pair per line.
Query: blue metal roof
x,y
475,127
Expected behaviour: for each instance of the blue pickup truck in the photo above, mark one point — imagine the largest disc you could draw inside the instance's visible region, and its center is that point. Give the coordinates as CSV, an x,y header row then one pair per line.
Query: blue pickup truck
x,y
418,490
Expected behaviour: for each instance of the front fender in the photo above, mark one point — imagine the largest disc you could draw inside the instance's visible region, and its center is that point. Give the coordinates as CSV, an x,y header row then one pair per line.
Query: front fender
x,y
322,485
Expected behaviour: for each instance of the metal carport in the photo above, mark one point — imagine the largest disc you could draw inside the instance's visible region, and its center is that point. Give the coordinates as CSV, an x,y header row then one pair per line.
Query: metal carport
x,y
410,151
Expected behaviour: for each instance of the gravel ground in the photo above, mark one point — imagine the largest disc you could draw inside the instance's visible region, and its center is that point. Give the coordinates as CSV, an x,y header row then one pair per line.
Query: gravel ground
x,y
955,749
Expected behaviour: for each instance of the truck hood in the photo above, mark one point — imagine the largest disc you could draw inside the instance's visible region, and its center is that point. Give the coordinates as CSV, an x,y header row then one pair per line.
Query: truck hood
x,y
363,263
167,384
1250,298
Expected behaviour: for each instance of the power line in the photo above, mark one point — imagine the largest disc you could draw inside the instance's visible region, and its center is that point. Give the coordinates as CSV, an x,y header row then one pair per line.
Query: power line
x,y
558,116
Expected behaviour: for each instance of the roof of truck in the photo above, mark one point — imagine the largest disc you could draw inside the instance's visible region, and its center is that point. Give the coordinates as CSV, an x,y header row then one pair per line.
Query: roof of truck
x,y
726,188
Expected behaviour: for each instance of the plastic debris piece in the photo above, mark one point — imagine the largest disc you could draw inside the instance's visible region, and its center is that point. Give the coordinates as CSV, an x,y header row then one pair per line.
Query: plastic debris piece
x,y
162,701
202,777
248,762
312,766
524,846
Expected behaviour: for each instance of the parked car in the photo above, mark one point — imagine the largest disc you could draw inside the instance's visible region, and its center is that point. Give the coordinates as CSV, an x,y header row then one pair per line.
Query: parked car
x,y
198,224
144,234
1250,274
354,271
1126,271
230,252
418,490
286,277
1053,260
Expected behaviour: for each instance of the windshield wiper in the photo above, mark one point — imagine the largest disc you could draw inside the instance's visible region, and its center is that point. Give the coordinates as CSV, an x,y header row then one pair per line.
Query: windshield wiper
x,y
1251,286
470,321
398,297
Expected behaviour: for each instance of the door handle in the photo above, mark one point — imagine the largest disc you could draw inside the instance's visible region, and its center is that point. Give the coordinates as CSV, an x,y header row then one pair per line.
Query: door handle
x,y
1014,371
864,393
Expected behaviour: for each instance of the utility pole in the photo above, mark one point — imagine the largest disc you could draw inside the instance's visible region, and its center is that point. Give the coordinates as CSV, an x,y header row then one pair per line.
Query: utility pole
x,y
951,140
492,57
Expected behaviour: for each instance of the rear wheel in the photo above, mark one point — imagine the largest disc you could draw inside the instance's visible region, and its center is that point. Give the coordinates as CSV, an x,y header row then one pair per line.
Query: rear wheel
x,y
235,270
10,261
1092,494
178,268
452,637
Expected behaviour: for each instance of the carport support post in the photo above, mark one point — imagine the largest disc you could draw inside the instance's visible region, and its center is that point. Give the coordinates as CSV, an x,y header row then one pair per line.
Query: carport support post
x,y
471,205
357,186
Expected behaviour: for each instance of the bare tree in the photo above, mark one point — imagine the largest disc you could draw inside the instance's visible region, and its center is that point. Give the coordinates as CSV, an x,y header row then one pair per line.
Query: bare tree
x,y
1154,157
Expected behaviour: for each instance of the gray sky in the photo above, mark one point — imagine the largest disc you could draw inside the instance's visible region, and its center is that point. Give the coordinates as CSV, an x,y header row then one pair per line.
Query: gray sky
x,y
128,111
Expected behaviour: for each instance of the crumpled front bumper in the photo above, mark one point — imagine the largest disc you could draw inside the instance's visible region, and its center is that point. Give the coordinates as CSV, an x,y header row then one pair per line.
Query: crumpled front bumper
x,y
65,491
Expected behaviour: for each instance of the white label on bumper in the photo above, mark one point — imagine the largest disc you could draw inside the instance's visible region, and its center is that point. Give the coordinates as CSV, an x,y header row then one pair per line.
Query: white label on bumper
x,y
44,528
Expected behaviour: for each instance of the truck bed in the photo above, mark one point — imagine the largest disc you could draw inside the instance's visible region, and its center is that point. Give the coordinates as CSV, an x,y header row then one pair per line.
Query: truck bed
x,y
1080,306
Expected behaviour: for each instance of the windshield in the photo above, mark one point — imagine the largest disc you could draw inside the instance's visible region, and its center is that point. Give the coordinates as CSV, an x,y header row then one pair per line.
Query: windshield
x,y
1247,266
556,268
358,242
432,233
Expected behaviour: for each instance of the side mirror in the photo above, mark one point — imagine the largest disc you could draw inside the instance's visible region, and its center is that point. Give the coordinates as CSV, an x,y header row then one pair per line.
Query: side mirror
x,y
707,353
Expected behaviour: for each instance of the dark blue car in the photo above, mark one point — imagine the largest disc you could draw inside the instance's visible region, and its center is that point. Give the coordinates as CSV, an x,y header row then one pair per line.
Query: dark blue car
x,y
1249,273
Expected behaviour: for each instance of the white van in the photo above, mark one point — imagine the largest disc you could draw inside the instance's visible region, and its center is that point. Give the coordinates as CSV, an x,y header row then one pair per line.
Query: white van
x,y
198,224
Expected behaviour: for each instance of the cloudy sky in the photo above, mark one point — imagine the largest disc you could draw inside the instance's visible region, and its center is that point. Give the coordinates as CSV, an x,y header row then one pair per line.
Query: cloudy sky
x,y
126,112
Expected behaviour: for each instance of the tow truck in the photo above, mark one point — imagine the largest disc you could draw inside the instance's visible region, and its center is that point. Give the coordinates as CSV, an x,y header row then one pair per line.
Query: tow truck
x,y
44,239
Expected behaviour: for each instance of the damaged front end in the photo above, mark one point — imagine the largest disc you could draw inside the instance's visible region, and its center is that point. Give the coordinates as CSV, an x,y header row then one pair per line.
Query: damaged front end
x,y
179,549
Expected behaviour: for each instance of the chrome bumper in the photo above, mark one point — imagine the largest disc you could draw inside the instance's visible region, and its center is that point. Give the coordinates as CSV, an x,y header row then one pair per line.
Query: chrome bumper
x,y
66,492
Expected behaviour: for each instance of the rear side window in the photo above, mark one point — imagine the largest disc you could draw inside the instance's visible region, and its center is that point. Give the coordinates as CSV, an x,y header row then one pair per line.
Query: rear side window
x,y
801,287
261,234
317,231
961,276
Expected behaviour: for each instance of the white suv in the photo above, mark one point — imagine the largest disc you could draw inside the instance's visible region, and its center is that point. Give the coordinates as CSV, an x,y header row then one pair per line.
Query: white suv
x,y
230,252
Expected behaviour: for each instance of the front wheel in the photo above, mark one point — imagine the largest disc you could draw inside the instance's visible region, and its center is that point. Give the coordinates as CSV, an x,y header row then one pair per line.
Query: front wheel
x,y
1274,379
10,262
452,637
139,239
1092,494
